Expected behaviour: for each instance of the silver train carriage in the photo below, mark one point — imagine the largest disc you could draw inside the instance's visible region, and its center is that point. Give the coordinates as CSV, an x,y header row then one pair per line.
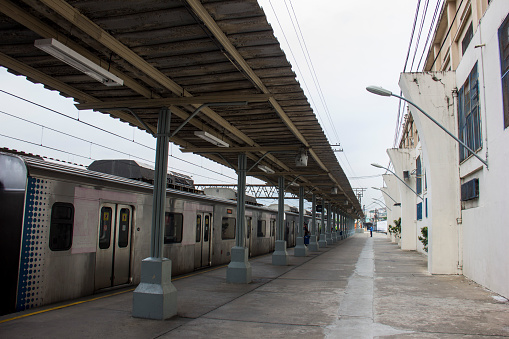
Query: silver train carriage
x,y
67,232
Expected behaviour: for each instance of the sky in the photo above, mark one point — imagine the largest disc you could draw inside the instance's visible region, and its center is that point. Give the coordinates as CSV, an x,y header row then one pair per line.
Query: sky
x,y
346,46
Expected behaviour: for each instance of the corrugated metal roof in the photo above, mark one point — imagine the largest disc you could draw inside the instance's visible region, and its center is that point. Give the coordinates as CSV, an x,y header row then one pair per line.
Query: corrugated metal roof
x,y
174,49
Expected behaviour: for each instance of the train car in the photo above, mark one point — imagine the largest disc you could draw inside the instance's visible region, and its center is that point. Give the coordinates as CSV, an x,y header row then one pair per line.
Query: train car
x,y
68,232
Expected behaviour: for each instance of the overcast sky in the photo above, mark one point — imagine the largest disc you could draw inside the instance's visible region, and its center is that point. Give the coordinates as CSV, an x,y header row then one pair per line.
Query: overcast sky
x,y
351,44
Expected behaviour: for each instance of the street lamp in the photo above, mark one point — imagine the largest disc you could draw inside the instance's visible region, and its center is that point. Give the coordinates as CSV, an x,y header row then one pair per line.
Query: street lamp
x,y
386,93
410,188
387,194
381,202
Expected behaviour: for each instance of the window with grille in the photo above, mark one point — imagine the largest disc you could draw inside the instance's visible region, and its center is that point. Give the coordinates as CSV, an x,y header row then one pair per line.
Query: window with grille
x,y
469,34
503,39
469,117
419,211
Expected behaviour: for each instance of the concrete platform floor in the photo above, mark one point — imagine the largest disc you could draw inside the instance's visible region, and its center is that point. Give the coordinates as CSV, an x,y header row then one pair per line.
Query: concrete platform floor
x,y
360,287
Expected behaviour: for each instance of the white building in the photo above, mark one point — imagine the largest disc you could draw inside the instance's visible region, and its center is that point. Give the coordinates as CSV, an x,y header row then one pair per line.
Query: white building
x,y
465,87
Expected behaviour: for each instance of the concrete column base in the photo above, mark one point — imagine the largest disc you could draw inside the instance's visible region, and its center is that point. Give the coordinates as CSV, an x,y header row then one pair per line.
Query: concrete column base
x,y
280,256
322,242
239,269
335,236
313,244
328,237
300,249
155,297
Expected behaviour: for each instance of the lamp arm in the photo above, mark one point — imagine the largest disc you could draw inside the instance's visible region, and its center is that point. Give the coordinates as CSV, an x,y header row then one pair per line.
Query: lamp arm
x,y
410,188
443,128
388,196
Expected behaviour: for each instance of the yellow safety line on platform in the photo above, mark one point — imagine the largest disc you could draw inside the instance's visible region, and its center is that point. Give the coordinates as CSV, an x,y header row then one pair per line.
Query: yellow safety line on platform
x,y
101,297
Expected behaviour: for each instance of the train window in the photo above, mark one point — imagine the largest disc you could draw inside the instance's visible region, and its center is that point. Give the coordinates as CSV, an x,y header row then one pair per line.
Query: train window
x,y
173,224
124,227
272,227
249,222
198,228
228,228
105,228
206,231
262,225
62,224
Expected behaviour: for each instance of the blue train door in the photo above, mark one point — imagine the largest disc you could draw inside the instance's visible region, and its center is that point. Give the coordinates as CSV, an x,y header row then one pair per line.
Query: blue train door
x,y
113,256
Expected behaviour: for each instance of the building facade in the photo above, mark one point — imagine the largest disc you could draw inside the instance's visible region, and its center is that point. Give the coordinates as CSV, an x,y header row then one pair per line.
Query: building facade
x,y
460,196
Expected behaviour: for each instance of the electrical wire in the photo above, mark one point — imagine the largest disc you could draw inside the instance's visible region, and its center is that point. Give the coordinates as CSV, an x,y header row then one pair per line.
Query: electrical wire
x,y
423,18
108,132
311,67
297,65
305,51
430,32
93,159
398,119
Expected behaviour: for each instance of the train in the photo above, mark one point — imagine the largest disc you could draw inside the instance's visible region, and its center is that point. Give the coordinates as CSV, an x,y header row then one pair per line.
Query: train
x,y
67,232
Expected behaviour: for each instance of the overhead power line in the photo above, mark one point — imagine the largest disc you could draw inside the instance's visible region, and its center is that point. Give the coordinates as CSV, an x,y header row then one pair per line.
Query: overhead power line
x,y
104,131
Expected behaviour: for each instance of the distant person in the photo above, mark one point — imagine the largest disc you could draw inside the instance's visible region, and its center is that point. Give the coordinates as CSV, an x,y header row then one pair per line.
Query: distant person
x,y
371,231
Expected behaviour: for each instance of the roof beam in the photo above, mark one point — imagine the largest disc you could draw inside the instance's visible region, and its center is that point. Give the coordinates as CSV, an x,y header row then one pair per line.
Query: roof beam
x,y
240,149
203,14
107,40
161,102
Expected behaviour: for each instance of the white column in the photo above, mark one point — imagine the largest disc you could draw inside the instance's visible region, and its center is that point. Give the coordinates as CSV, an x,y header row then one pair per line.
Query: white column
x,y
433,92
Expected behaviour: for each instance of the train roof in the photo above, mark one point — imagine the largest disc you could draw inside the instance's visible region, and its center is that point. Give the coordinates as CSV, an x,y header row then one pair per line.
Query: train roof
x,y
38,166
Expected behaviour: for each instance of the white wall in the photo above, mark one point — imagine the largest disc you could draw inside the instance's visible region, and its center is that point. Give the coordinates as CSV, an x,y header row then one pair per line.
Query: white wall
x,y
433,93
403,160
484,222
393,190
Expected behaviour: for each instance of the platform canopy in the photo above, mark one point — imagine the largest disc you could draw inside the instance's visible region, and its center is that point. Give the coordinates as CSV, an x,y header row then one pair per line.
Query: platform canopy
x,y
141,56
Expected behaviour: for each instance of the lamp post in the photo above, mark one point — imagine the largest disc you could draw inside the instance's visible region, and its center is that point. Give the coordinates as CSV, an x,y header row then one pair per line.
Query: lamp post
x,y
410,188
386,93
387,194
381,202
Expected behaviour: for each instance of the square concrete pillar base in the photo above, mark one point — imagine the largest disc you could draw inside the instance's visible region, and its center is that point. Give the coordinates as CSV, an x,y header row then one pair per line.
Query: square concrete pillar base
x,y
280,256
328,237
300,249
239,269
155,297
322,242
313,244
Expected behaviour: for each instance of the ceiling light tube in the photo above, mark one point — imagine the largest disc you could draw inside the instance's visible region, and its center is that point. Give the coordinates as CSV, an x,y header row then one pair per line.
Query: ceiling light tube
x,y
266,169
212,139
78,61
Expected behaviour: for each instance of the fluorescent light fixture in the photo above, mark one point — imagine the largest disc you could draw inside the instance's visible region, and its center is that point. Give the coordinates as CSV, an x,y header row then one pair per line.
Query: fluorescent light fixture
x,y
334,190
78,61
266,169
212,139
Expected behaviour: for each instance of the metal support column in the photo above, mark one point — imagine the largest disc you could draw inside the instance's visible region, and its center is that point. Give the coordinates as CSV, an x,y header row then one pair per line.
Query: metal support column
x,y
334,224
342,226
313,243
280,256
239,269
323,241
156,297
328,234
300,249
